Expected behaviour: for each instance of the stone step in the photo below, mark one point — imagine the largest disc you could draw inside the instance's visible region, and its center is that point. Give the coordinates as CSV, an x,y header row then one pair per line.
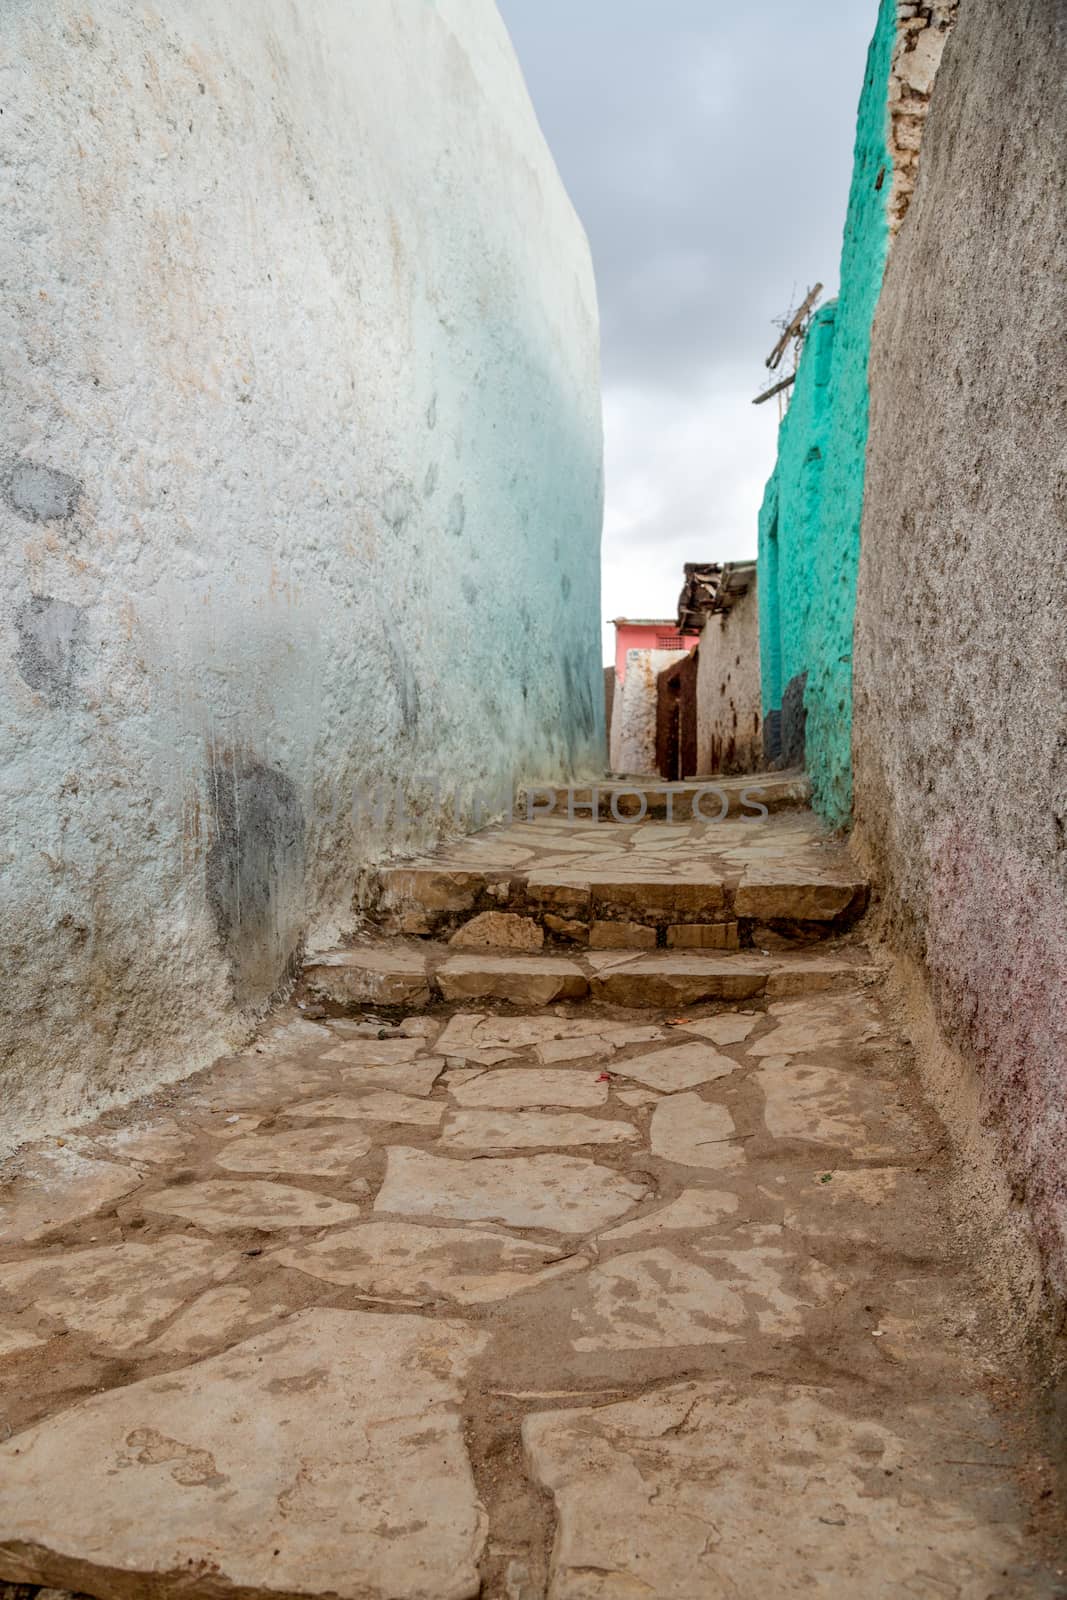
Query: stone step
x,y
632,903
693,799
417,975
588,883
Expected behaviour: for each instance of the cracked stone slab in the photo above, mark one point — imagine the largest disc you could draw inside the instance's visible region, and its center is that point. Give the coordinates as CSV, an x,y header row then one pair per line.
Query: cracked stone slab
x,y
392,977
564,1194
374,1052
411,1077
637,1097
381,1105
323,1457
116,1293
259,1084
319,1152
669,980
803,1026
219,1206
816,1104
690,893
693,1208
620,1035
654,1300
455,1077
679,1066
55,1186
731,1028
777,1283
688,1130
217,1317
430,888
574,1049
776,890
704,1489
516,1130
814,974
473,1034
288,1036
410,1260
531,1086
459,1031
522,980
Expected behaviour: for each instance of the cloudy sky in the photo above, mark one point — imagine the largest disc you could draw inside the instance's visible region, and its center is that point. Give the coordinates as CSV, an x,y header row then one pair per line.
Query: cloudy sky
x,y
707,147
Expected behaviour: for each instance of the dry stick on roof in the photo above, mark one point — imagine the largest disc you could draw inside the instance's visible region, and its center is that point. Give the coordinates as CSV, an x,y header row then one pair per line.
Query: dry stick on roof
x,y
794,326
774,389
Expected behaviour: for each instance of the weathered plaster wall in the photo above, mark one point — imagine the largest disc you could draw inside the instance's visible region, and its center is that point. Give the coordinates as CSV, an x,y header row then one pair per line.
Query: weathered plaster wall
x,y
609,702
301,493
633,715
923,27
960,730
810,523
729,720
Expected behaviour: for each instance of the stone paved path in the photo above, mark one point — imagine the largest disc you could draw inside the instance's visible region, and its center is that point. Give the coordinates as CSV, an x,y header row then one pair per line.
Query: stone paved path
x,y
579,1301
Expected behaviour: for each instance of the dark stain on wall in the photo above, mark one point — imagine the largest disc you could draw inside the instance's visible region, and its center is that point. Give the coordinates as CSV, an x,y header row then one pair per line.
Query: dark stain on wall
x,y
254,871
398,505
578,700
676,719
400,671
51,646
772,737
40,493
794,722
457,515
609,706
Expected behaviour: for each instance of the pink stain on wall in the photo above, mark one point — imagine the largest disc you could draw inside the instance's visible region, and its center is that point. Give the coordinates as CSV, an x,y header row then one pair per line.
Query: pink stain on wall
x,y
647,633
997,953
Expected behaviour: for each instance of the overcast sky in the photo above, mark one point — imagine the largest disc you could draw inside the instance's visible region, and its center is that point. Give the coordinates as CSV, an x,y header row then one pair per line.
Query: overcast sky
x,y
707,147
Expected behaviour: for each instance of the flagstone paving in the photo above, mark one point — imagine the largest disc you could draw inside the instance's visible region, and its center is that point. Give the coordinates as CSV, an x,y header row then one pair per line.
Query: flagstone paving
x,y
575,1302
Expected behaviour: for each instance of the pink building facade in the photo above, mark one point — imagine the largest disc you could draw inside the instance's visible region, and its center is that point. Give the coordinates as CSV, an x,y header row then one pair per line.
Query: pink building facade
x,y
647,633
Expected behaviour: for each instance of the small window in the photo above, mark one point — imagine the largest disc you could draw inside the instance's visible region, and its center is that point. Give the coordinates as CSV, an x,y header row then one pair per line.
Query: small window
x,y
670,641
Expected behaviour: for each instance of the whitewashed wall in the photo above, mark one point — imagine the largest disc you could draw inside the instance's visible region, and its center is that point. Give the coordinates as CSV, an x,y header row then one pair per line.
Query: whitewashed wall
x,y
633,717
301,490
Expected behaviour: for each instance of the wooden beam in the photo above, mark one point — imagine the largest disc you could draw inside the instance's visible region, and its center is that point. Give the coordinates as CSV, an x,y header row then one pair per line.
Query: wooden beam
x,y
777,389
794,327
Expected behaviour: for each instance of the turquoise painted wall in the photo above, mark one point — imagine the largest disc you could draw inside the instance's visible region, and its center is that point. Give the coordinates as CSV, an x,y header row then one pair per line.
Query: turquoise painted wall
x,y
810,519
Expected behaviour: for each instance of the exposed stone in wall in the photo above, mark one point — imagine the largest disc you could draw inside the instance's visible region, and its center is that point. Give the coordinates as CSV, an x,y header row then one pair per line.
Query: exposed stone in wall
x,y
960,737
922,33
729,718
300,497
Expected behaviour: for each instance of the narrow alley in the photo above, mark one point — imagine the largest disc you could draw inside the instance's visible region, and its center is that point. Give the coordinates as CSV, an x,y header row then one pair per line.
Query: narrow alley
x,y
599,1245
533,779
